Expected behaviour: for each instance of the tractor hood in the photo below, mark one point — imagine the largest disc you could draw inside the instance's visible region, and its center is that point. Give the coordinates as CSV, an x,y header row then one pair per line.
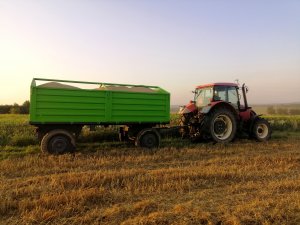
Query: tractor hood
x,y
191,107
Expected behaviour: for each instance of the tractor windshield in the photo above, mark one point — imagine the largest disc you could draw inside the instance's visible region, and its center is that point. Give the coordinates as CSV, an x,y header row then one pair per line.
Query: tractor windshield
x,y
203,96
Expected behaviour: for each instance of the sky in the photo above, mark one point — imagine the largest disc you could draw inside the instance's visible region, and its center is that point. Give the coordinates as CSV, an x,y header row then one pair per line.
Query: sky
x,y
174,44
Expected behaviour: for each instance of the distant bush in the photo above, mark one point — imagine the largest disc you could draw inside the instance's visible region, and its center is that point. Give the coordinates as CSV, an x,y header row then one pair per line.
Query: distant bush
x,y
4,109
284,123
271,110
294,112
15,108
282,111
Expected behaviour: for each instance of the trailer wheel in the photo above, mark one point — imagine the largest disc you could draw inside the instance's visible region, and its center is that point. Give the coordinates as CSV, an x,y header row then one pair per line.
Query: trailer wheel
x,y
58,142
261,130
148,138
222,125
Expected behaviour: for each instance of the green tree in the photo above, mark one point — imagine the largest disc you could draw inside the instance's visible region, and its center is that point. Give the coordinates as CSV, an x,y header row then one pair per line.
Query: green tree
x,y
5,109
15,109
24,109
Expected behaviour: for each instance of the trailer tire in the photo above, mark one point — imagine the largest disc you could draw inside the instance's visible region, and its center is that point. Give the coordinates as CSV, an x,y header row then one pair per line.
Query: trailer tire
x,y
58,142
148,138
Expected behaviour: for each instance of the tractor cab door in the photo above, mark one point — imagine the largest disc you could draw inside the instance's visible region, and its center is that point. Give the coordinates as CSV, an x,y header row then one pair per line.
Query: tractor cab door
x,y
203,96
227,94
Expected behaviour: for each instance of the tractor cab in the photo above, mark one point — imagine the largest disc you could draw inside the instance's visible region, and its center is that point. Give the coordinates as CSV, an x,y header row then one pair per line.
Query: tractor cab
x,y
225,92
216,92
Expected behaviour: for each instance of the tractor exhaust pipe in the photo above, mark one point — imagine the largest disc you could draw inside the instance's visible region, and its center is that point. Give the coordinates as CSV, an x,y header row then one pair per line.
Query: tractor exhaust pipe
x,y
244,95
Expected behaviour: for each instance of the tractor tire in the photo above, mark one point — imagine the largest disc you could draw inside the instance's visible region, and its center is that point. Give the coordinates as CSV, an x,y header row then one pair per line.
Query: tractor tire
x,y
261,130
222,125
148,138
58,142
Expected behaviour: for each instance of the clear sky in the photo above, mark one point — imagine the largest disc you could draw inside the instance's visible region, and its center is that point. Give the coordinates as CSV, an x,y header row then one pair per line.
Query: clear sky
x,y
173,44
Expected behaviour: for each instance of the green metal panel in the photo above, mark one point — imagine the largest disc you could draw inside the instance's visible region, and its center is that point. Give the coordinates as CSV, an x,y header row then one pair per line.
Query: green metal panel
x,y
59,105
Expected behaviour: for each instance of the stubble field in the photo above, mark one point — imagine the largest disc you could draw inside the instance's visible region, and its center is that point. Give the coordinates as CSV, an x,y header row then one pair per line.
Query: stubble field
x,y
108,182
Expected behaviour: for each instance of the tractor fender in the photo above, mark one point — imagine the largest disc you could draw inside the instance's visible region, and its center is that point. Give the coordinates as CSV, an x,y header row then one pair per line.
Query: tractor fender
x,y
254,118
191,107
214,105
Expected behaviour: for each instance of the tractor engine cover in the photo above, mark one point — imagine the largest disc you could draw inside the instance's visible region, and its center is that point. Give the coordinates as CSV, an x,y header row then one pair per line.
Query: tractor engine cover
x,y
191,107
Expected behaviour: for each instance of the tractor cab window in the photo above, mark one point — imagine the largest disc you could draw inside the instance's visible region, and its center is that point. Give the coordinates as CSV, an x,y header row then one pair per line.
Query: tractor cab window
x,y
203,96
233,96
227,94
220,93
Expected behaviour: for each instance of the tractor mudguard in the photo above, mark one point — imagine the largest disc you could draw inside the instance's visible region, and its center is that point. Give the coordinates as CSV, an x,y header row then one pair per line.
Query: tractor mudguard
x,y
205,109
213,105
253,120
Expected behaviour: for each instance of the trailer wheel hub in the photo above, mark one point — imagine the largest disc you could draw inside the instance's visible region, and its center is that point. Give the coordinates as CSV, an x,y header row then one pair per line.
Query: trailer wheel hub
x,y
148,140
58,144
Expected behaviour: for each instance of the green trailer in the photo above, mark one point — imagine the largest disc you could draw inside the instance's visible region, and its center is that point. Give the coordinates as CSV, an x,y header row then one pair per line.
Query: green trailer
x,y
60,108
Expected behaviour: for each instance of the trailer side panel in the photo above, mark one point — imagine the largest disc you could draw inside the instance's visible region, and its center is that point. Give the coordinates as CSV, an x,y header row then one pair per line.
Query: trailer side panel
x,y
85,106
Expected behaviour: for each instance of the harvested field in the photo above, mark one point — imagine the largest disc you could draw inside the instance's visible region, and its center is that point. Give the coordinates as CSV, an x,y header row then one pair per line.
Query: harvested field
x,y
107,182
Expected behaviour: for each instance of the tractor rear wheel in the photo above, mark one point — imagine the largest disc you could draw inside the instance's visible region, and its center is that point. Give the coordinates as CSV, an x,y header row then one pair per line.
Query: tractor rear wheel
x,y
261,130
222,125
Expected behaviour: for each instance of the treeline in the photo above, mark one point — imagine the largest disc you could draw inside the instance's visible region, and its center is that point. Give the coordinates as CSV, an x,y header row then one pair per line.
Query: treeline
x,y
15,108
283,111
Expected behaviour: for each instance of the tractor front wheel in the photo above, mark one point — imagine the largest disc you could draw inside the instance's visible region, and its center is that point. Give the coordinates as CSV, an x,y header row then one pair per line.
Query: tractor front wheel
x,y
261,130
222,125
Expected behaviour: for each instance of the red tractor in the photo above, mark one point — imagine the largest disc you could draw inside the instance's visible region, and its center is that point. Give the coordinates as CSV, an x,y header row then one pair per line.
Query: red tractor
x,y
220,111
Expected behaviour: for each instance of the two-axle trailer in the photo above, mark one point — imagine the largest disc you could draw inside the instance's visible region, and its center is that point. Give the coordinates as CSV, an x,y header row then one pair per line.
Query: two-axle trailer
x,y
60,108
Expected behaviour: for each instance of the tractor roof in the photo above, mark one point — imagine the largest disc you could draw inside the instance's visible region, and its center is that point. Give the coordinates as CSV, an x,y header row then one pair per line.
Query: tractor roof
x,y
217,84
